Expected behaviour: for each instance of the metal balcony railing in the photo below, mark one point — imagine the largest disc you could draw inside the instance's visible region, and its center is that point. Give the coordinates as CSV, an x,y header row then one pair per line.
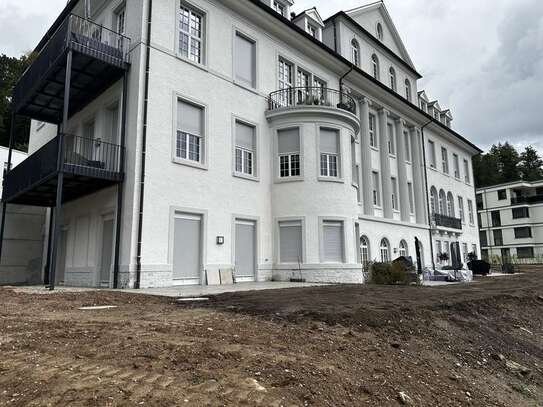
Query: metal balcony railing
x,y
447,221
527,199
311,96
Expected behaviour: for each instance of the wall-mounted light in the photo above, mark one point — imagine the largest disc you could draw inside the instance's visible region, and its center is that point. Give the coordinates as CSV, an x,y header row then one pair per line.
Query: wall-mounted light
x,y
220,240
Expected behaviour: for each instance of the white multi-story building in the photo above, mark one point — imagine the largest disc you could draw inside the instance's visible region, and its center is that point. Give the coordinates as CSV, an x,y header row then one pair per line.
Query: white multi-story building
x,y
510,221
232,135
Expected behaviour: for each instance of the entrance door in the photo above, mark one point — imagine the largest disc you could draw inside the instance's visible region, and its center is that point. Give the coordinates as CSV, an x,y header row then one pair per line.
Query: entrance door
x,y
245,256
60,271
107,252
187,249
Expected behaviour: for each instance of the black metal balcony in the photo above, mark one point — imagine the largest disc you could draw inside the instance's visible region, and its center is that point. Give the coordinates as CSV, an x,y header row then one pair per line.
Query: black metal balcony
x,y
527,199
311,96
447,221
100,57
88,166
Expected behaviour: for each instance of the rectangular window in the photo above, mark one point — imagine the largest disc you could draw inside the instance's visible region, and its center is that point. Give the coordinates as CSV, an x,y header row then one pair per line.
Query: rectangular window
x,y
483,238
470,212
290,242
474,248
461,209
312,30
466,171
411,197
498,237
286,78
465,251
245,148
288,147
394,183
502,194
332,242
496,218
279,8
479,200
120,21
329,152
354,166
445,160
376,189
245,60
523,233
525,252
191,33
407,139
439,249
456,164
432,153
190,132
373,133
520,213
390,139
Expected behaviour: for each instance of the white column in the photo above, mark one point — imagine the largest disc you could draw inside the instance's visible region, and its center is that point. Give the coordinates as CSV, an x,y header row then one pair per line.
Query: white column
x,y
365,165
402,171
385,164
418,176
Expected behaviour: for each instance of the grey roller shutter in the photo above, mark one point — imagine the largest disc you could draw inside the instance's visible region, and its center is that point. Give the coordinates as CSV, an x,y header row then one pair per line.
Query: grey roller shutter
x,y
245,60
333,242
245,136
329,140
186,251
288,141
245,249
190,118
290,242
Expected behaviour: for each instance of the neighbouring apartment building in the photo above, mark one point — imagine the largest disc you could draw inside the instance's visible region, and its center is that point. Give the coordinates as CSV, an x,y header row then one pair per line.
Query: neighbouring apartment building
x,y
189,137
510,221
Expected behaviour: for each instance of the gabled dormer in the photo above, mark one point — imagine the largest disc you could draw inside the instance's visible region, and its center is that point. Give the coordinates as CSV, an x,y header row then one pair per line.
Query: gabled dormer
x,y
311,22
280,6
423,101
434,110
446,117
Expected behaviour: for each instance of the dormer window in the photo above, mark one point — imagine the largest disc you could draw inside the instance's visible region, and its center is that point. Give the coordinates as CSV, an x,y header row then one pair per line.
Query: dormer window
x,y
355,52
375,63
312,30
280,8
380,31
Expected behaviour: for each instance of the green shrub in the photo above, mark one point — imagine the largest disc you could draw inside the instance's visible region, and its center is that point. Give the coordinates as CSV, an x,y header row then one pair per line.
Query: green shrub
x,y
390,274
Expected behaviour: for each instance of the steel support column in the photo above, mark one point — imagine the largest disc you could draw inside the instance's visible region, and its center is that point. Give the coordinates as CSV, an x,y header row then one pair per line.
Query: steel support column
x,y
8,169
47,271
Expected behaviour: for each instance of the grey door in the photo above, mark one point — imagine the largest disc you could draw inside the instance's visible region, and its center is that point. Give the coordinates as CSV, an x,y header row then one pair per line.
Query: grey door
x,y
60,271
245,256
187,249
107,252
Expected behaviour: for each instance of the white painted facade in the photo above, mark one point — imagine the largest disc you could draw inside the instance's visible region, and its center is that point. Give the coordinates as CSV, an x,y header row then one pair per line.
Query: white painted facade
x,y
510,221
210,196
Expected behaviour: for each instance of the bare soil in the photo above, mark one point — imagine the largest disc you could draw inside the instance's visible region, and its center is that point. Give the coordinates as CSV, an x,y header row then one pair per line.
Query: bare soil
x,y
478,344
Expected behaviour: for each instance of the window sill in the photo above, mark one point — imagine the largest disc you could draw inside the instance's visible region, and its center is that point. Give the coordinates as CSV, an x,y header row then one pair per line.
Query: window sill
x,y
189,163
246,87
330,179
374,148
409,162
245,176
433,168
203,67
285,180
391,155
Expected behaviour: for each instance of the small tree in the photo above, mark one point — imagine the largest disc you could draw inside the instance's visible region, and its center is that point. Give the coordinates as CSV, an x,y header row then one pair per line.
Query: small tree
x,y
531,165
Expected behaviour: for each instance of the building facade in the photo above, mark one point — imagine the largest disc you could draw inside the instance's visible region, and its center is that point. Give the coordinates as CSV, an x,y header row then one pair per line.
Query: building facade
x,y
238,137
510,221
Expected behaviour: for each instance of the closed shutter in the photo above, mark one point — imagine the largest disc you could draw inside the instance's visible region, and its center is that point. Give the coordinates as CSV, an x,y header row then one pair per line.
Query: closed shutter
x,y
245,249
186,253
190,118
329,140
288,141
245,59
333,242
245,136
290,242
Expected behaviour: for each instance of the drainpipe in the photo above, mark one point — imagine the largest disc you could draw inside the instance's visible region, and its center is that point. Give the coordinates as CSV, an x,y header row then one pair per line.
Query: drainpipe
x,y
144,144
341,83
426,189
335,35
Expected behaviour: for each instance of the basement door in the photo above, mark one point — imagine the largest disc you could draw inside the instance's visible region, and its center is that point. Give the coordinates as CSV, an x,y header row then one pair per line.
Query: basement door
x,y
107,252
245,256
187,249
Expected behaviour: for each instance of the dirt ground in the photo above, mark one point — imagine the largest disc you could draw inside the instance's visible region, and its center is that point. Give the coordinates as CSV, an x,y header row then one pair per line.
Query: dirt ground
x,y
478,344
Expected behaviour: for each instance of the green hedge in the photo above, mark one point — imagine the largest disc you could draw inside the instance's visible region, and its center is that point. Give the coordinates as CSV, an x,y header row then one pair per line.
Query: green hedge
x,y
390,274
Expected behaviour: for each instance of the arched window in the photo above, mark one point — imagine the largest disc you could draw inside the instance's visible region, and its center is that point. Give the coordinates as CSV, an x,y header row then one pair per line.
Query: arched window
x,y
380,31
364,251
392,73
355,52
433,200
403,250
442,203
450,205
385,251
375,63
408,90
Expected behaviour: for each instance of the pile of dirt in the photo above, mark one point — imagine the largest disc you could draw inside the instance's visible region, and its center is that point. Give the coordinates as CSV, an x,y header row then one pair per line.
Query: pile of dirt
x,y
479,344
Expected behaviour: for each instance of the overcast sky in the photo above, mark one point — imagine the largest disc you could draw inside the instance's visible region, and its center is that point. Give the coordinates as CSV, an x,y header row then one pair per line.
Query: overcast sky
x,y
481,58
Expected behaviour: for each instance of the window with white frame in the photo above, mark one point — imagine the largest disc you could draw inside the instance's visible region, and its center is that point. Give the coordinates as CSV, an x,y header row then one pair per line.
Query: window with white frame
x,y
442,202
373,132
376,189
290,242
245,151
329,152
456,164
365,251
320,89
384,248
466,171
288,146
120,20
312,30
450,205
303,82
279,8
392,77
245,60
394,197
355,52
286,78
433,201
470,212
407,84
354,165
445,160
411,193
407,140
191,33
439,249
461,209
390,139
375,65
190,132
403,249
432,153
333,250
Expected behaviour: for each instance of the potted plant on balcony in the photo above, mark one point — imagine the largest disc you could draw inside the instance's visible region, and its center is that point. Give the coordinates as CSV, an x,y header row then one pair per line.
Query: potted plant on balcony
x,y
443,257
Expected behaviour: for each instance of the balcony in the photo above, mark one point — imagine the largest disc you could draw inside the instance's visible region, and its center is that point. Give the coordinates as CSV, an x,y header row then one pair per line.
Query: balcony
x,y
447,221
527,199
100,58
311,97
88,165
